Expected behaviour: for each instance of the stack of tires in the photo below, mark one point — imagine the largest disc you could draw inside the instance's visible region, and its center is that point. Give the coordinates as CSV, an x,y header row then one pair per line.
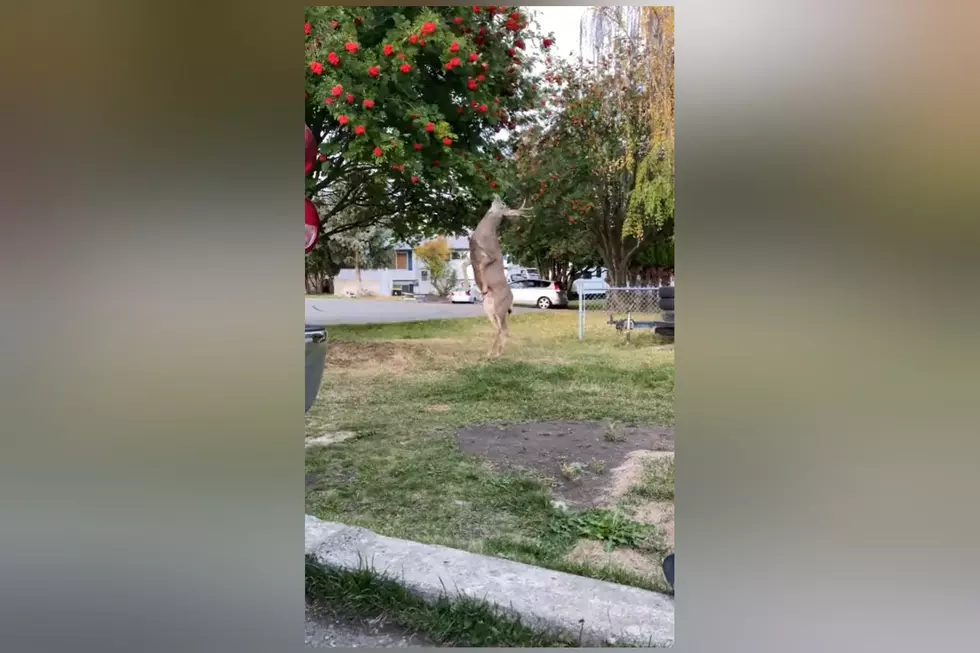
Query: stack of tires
x,y
665,301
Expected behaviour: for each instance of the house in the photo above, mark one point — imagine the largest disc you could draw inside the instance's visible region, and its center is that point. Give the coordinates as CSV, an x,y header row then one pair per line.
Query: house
x,y
408,274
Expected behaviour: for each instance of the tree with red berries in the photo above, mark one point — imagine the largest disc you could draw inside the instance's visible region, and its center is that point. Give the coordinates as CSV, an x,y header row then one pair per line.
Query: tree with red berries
x,y
406,105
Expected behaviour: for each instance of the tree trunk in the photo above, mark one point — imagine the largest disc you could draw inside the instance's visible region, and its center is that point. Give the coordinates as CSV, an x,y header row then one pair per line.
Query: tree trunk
x,y
465,267
568,275
620,275
357,270
315,283
613,259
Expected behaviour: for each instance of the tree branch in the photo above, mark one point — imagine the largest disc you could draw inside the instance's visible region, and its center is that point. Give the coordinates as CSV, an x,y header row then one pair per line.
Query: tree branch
x,y
339,171
632,252
342,203
374,219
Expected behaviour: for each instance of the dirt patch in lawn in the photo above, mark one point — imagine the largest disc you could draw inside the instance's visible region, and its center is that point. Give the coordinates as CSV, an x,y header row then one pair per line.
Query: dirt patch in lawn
x,y
391,359
660,515
579,458
593,554
326,439
630,472
368,357
633,475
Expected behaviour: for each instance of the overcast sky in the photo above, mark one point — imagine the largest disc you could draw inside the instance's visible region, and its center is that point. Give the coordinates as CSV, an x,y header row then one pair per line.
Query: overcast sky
x,y
564,22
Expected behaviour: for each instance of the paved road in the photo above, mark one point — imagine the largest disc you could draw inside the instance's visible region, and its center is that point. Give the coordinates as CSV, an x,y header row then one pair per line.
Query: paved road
x,y
373,311
324,630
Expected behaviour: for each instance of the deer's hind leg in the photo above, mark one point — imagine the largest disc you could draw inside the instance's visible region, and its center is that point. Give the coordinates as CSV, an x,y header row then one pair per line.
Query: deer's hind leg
x,y
503,334
495,343
490,308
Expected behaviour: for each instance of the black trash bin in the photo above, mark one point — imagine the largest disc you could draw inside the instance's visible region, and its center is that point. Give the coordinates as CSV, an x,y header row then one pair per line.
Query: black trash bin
x,y
316,358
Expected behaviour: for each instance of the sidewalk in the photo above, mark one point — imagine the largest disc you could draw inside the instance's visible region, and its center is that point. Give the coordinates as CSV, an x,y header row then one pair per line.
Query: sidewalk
x,y
595,612
330,631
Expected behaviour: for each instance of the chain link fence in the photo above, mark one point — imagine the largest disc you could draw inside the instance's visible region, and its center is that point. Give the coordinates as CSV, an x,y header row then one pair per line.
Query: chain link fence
x,y
627,310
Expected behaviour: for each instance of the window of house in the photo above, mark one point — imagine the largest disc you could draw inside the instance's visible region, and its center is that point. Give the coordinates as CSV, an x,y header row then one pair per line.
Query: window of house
x,y
424,275
456,255
401,261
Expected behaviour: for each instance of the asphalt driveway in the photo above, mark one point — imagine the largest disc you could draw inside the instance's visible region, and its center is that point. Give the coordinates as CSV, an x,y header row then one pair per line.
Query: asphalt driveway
x,y
374,311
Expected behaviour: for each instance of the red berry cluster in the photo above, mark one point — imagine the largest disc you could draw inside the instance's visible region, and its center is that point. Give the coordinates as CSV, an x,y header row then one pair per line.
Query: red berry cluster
x,y
486,24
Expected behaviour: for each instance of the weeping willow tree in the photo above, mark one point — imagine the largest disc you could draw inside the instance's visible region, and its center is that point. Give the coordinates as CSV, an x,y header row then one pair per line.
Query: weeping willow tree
x,y
620,35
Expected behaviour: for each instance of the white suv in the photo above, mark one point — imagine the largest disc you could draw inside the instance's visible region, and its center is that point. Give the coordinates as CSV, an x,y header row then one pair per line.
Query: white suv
x,y
538,292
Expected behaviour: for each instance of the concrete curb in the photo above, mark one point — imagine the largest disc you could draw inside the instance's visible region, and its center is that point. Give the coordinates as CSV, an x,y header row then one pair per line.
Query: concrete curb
x,y
598,611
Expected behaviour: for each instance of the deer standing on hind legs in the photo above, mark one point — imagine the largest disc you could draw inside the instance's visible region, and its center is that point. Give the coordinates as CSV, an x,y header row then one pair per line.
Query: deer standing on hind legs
x,y
489,272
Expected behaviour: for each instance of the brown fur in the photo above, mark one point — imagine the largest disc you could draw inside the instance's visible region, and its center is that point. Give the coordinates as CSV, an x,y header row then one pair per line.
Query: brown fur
x,y
489,274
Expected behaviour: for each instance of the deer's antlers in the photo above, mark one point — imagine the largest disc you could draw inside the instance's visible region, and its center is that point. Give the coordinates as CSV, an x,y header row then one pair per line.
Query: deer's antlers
x,y
524,208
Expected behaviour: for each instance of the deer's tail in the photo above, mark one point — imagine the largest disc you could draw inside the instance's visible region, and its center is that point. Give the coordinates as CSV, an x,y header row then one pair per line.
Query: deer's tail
x,y
509,311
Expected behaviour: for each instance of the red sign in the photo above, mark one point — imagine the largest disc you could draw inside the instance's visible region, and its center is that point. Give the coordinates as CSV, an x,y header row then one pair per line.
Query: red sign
x,y
312,226
312,219
310,151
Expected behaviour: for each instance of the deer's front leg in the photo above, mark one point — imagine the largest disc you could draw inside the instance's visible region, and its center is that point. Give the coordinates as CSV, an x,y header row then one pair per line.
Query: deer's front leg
x,y
484,266
481,263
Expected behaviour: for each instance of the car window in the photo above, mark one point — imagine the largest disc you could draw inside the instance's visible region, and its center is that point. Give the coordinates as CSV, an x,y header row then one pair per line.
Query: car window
x,y
542,284
520,284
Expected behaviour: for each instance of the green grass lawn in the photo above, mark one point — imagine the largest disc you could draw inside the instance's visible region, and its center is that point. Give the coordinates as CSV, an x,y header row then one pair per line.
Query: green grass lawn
x,y
404,390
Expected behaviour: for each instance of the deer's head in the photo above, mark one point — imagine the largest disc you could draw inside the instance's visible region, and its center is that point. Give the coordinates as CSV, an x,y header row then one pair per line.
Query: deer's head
x,y
499,207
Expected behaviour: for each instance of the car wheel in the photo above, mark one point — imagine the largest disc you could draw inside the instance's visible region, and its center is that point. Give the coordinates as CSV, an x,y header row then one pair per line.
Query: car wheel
x,y
544,302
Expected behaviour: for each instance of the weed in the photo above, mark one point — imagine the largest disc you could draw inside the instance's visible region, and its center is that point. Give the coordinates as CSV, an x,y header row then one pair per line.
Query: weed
x,y
611,527
657,480
597,466
572,471
614,432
